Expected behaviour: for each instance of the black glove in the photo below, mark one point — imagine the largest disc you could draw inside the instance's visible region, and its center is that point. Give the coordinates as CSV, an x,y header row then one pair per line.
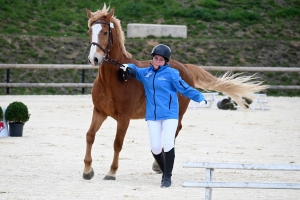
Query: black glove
x,y
125,72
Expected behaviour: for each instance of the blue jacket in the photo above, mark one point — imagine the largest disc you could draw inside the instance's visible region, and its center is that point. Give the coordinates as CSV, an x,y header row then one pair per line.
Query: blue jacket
x,y
161,87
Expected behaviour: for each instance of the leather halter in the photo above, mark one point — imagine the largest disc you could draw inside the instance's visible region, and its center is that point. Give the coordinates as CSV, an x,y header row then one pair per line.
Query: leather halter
x,y
107,58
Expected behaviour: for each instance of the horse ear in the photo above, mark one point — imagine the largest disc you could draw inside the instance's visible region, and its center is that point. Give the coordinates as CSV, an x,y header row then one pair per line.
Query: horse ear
x,y
111,13
89,13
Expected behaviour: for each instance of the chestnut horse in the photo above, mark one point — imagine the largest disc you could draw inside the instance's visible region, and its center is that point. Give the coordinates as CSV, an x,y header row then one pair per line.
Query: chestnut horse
x,y
124,101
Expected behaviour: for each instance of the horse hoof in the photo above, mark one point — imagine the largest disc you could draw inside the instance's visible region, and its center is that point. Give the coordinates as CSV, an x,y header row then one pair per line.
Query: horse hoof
x,y
156,168
88,176
109,177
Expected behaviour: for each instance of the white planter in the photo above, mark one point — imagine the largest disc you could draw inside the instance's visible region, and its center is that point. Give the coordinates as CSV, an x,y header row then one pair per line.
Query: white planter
x,y
3,125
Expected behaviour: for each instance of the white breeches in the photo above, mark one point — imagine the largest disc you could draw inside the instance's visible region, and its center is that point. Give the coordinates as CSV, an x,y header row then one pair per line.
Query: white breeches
x,y
162,134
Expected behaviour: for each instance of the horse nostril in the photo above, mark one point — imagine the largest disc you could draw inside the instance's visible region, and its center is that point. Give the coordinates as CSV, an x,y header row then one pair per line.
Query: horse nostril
x,y
96,60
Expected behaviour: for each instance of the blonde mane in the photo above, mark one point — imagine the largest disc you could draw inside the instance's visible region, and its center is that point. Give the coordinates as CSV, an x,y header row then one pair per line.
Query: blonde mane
x,y
117,26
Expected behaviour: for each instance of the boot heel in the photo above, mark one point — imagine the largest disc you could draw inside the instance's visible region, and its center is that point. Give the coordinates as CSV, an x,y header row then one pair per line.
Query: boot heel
x,y
166,183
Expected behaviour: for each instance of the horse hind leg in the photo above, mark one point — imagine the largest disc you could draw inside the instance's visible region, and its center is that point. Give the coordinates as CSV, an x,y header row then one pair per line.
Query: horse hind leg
x,y
156,168
97,120
123,123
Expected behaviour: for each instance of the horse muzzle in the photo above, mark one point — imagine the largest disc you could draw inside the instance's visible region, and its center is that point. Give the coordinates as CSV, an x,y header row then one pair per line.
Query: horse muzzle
x,y
96,60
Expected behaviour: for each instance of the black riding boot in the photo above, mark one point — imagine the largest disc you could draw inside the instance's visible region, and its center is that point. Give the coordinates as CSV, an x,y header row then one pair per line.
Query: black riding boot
x,y
169,162
161,163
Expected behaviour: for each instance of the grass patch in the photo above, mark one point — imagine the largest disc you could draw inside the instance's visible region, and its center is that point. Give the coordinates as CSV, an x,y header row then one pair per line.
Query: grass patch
x,y
221,33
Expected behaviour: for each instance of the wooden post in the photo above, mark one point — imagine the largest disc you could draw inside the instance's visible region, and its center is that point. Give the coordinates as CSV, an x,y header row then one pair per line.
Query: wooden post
x,y
82,80
7,80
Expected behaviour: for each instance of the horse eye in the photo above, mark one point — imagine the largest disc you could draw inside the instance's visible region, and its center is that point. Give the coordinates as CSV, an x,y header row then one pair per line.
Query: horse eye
x,y
105,33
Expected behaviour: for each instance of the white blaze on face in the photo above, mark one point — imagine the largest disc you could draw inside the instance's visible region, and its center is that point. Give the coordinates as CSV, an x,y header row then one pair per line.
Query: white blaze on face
x,y
95,31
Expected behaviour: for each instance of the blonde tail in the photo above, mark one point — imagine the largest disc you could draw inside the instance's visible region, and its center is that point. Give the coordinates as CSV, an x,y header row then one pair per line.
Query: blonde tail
x,y
236,86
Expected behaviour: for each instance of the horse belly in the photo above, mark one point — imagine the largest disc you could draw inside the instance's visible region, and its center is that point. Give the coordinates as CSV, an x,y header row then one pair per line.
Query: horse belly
x,y
140,112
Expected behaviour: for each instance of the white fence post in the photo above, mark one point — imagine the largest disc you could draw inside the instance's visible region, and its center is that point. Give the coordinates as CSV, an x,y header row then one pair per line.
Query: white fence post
x,y
209,178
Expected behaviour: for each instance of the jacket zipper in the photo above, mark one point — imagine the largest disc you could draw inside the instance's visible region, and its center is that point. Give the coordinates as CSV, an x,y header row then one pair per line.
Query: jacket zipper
x,y
154,95
170,102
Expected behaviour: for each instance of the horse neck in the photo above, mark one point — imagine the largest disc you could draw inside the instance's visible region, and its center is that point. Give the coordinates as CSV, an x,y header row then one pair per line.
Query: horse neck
x,y
116,53
107,72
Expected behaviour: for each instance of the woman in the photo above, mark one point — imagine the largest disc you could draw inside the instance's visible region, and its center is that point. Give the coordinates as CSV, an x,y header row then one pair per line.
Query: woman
x,y
161,84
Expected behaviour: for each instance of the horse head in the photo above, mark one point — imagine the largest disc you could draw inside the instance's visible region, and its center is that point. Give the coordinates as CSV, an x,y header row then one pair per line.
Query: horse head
x,y
104,31
100,33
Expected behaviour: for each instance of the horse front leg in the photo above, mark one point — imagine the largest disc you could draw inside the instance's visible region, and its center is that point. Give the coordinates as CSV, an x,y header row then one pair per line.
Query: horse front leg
x,y
122,127
97,120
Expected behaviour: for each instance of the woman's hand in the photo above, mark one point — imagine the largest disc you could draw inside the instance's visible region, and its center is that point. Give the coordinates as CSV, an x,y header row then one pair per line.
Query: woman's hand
x,y
203,103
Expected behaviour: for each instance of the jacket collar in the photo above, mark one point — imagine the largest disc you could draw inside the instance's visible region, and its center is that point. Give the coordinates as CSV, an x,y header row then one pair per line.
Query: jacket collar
x,y
160,67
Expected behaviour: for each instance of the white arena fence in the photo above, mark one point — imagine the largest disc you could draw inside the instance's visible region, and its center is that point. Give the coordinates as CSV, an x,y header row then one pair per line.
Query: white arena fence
x,y
83,85
210,167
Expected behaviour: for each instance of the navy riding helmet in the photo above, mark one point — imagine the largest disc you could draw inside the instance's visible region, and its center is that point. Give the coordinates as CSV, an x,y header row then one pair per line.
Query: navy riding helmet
x,y
162,50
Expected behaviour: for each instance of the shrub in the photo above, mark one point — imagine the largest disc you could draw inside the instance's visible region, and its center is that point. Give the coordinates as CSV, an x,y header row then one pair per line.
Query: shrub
x,y
17,112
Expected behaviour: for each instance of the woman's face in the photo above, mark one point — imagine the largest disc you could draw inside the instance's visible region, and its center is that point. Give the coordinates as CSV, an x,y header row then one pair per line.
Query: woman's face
x,y
157,61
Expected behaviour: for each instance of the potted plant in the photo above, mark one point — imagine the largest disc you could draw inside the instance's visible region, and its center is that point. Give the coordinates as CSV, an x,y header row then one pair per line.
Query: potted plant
x,y
16,115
